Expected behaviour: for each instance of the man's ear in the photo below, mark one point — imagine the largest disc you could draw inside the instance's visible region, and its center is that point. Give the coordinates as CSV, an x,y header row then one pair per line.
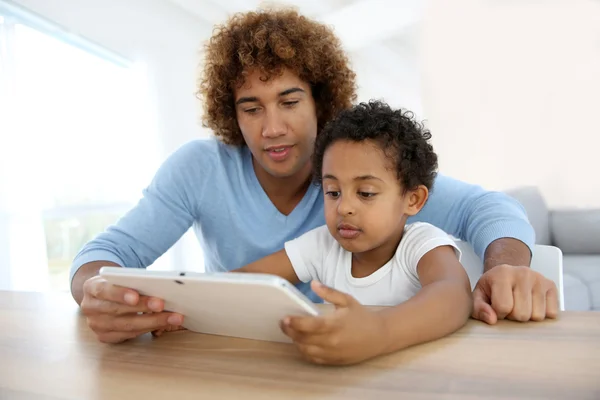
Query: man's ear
x,y
416,199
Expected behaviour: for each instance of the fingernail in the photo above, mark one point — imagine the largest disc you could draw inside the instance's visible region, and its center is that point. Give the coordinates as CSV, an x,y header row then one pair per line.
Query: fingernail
x,y
286,321
154,305
174,320
130,298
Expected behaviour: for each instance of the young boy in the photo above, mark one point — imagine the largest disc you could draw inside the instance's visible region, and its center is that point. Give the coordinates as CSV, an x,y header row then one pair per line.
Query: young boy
x,y
376,168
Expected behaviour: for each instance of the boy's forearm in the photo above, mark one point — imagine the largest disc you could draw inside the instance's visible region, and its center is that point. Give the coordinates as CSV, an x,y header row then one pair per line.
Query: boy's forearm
x,y
506,251
436,311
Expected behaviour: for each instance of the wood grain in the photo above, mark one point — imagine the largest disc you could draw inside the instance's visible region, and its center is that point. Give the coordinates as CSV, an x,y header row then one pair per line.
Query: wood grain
x,y
48,352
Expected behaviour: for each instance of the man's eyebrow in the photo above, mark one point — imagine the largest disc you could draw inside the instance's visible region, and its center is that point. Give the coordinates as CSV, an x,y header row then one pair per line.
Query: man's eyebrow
x,y
290,91
252,99
246,100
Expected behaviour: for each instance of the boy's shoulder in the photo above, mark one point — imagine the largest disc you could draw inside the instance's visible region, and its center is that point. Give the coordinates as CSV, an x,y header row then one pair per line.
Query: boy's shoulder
x,y
418,233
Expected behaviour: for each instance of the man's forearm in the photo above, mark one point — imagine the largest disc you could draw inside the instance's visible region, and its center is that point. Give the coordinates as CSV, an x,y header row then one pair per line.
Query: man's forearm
x,y
84,273
506,251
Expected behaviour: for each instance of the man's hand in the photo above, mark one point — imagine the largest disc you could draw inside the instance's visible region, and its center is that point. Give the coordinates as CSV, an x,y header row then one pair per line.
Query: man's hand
x,y
349,335
514,293
116,314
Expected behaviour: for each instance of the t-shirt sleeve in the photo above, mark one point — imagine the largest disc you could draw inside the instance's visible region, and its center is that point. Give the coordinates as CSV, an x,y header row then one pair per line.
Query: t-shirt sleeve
x,y
418,240
307,253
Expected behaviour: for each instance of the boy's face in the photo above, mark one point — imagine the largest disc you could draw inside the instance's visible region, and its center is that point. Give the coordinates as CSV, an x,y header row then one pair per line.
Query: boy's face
x,y
365,208
278,121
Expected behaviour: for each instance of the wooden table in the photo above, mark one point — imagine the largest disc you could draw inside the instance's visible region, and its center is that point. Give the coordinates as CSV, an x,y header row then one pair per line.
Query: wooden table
x,y
48,352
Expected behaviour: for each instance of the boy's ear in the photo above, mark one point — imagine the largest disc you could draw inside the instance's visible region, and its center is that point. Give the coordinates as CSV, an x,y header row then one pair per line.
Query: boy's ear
x,y
416,199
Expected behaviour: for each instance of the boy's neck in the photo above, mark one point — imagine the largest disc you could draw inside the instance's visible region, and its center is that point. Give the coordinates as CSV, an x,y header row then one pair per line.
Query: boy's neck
x,y
286,192
366,263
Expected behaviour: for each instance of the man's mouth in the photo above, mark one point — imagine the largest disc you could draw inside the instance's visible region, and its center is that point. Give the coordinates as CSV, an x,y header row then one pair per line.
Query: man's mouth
x,y
278,153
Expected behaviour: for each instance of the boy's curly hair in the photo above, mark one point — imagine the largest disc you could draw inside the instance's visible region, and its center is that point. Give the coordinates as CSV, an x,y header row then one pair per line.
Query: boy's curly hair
x,y
401,138
272,40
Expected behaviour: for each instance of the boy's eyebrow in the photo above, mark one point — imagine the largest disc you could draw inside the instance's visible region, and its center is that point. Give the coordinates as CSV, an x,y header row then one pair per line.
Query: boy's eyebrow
x,y
366,178
358,178
252,99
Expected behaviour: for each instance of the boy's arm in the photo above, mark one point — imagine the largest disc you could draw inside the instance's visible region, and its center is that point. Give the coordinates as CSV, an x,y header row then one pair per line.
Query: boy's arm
x,y
442,306
354,333
275,264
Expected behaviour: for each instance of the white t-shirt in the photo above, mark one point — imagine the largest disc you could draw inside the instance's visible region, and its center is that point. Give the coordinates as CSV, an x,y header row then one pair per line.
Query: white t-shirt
x,y
316,255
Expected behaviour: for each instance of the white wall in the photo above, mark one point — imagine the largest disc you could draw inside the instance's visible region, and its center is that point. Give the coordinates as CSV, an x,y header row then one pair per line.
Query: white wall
x,y
512,92
167,40
155,32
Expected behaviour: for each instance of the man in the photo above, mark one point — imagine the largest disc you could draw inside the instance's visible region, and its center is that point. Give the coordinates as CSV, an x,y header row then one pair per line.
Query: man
x,y
271,80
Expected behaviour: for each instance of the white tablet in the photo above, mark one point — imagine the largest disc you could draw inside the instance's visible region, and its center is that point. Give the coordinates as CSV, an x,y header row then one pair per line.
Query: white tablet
x,y
243,305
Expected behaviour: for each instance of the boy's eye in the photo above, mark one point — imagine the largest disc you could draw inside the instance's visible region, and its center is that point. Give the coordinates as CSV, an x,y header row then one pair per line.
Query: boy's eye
x,y
251,110
333,194
366,194
290,103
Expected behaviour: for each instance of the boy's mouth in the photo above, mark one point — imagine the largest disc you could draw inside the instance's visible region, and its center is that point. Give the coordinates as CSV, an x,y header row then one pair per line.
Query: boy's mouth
x,y
348,231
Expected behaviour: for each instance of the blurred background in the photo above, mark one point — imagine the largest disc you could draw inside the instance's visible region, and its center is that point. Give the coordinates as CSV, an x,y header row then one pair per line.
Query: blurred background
x,y
94,94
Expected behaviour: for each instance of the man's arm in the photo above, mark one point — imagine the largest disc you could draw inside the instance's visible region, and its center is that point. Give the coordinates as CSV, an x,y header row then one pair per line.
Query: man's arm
x,y
481,217
506,251
165,212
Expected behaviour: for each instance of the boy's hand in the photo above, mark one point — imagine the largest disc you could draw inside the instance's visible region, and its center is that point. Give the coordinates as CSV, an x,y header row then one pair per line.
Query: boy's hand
x,y
349,335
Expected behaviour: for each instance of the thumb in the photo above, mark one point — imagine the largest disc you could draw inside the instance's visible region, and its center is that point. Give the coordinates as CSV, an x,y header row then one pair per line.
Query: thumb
x,y
482,309
332,296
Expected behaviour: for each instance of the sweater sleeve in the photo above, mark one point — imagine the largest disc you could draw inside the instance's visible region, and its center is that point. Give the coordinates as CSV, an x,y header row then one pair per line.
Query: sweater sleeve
x,y
475,215
165,212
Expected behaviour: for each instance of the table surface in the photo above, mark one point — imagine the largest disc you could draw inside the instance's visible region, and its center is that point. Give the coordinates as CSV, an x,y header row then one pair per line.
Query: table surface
x,y
48,352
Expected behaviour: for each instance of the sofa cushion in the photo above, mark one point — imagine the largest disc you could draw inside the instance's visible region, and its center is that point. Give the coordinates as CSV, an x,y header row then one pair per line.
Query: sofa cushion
x,y
576,293
576,231
586,268
537,211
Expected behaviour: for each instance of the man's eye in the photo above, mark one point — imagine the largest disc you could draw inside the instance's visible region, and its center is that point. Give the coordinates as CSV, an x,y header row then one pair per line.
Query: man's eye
x,y
251,110
290,103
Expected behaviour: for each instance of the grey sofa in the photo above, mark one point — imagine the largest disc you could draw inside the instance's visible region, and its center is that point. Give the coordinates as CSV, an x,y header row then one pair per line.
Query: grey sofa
x,y
577,233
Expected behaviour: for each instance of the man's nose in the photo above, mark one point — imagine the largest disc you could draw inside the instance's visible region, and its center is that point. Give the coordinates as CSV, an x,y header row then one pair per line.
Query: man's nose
x,y
274,125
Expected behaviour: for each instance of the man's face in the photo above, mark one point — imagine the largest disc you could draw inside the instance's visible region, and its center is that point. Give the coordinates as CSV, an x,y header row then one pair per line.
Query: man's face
x,y
278,121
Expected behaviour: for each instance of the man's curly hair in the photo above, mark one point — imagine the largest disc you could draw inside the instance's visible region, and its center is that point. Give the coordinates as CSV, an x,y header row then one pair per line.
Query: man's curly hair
x,y
272,40
402,139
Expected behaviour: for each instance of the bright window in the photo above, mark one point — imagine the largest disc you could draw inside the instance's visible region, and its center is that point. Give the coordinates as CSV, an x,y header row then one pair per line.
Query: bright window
x,y
77,144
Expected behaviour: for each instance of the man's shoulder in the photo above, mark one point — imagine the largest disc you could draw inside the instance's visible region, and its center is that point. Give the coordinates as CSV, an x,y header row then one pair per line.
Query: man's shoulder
x,y
209,148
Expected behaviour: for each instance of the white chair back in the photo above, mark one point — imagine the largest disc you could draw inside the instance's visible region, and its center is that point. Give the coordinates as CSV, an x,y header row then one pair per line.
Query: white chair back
x,y
547,260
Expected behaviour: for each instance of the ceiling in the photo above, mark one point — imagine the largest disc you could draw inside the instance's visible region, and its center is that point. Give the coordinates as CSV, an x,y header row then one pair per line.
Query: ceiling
x,y
379,35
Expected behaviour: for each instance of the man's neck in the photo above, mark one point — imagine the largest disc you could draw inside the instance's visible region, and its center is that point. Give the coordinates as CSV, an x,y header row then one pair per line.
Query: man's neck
x,y
285,193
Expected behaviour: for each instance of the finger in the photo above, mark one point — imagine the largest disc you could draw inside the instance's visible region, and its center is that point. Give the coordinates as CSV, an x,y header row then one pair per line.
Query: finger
x,y
522,300
482,310
538,304
332,296
117,337
94,306
502,298
311,352
134,323
552,303
309,325
99,288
